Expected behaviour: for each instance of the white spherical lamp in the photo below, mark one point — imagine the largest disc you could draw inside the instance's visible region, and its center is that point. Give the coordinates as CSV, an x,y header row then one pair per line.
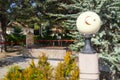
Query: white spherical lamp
x,y
88,23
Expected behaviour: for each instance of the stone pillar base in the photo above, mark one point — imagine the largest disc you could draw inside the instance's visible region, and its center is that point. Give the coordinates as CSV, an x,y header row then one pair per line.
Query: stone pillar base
x,y
88,64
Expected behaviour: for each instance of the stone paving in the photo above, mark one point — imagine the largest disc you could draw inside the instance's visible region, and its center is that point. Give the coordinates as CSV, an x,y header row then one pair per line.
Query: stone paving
x,y
55,56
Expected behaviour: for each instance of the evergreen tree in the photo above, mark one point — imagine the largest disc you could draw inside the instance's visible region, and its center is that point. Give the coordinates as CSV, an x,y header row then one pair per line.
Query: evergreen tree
x,y
106,42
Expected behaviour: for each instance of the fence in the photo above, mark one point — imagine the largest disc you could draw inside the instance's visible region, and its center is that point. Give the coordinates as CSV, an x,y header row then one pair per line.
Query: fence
x,y
43,42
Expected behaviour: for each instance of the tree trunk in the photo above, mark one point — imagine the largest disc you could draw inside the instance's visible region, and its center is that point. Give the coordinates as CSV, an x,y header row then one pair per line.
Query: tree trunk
x,y
3,20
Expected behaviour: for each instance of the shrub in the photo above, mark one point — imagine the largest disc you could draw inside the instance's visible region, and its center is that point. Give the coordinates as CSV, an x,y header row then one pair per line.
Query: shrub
x,y
66,70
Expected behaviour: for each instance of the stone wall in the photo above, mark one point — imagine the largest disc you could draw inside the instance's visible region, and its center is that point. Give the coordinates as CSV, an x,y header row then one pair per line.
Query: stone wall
x,y
50,53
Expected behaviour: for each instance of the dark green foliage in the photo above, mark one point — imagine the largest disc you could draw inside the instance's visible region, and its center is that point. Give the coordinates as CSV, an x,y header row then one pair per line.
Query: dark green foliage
x,y
16,38
107,41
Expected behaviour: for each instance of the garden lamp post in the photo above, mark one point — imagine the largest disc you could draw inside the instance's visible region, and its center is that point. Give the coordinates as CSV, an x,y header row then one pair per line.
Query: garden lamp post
x,y
88,23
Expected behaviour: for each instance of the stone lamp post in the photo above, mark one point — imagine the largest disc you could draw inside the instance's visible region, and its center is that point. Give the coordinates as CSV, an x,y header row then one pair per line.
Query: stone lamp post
x,y
88,23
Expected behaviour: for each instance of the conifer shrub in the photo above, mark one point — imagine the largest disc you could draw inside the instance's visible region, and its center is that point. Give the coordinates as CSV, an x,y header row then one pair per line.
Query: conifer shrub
x,y
66,70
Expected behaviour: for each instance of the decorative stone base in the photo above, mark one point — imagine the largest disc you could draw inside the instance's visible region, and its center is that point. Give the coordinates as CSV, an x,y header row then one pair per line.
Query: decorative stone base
x,y
88,64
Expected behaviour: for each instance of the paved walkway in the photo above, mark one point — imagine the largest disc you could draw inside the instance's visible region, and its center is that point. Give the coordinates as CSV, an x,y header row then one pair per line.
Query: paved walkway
x,y
54,57
23,63
53,52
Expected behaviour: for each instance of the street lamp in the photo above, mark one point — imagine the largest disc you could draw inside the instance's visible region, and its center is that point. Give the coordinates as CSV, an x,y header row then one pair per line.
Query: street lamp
x,y
88,23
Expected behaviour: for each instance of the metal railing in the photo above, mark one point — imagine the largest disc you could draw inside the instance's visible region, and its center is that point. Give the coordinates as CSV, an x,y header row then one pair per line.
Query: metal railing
x,y
43,42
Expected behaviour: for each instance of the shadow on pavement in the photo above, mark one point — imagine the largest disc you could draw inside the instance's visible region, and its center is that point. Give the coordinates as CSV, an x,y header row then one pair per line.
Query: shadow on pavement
x,y
11,60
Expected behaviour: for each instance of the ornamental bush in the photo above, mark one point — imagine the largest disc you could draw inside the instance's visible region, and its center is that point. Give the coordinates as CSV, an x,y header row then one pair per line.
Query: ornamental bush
x,y
66,70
